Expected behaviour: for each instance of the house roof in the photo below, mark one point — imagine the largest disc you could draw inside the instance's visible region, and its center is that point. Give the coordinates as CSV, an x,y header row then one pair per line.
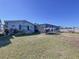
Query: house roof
x,y
18,21
48,25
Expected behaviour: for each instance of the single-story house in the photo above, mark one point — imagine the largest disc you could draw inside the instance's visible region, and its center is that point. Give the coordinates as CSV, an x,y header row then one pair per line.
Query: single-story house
x,y
76,29
43,27
19,25
69,29
66,29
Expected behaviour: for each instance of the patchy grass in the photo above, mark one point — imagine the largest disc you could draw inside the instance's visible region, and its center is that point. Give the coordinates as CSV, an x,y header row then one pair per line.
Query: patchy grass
x,y
41,47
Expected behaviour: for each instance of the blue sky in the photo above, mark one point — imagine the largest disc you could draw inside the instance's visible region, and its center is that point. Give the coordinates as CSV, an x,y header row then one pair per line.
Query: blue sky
x,y
59,12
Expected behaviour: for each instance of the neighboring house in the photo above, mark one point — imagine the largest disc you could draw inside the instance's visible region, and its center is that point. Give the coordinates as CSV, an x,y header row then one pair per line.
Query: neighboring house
x,y
20,25
67,29
76,29
42,27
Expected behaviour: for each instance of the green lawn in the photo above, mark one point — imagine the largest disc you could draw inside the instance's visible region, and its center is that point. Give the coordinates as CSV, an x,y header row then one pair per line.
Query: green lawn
x,y
41,47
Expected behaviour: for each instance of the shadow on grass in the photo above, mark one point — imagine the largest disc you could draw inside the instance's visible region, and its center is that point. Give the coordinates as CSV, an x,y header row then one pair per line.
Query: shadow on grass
x,y
52,33
5,40
27,34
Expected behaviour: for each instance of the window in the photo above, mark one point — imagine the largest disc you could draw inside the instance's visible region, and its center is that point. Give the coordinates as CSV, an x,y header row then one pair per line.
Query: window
x,y
20,27
27,27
